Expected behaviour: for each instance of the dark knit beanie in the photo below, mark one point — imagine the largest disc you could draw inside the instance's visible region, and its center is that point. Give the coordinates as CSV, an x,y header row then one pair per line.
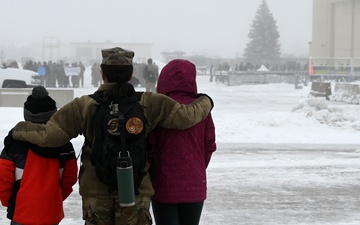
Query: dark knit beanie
x,y
39,106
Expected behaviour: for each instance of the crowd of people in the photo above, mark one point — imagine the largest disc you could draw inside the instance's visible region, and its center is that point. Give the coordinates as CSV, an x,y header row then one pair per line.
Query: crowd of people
x,y
64,75
293,66
60,74
11,64
53,74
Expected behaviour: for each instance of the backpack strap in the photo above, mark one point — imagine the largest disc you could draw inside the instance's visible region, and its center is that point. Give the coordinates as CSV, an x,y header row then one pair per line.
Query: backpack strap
x,y
138,95
98,96
121,124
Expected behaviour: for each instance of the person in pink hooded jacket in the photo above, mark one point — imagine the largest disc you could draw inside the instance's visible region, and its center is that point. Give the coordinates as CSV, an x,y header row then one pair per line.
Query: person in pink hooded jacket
x,y
180,157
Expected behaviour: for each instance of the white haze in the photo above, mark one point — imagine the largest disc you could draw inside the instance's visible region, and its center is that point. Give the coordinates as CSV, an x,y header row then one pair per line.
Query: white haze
x,y
214,28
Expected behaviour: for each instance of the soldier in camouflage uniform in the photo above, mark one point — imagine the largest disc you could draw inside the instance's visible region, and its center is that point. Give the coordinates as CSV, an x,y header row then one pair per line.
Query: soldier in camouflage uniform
x,y
99,206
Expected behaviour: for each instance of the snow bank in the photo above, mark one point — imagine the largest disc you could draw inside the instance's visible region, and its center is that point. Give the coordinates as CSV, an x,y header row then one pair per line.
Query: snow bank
x,y
332,116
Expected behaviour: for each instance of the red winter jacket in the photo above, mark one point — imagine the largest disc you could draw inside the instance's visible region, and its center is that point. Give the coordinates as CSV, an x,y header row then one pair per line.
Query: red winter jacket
x,y
35,181
182,156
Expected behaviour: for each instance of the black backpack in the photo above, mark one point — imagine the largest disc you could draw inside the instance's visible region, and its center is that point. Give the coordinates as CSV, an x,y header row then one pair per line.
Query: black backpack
x,y
119,127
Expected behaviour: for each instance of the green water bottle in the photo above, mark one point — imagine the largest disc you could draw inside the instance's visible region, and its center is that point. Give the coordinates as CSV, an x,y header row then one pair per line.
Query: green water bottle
x,y
125,180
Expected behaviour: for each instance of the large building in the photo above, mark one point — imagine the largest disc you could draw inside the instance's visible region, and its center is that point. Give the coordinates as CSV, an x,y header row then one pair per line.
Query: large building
x,y
336,29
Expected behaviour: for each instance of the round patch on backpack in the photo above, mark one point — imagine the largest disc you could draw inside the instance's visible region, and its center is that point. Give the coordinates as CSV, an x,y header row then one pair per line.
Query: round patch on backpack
x,y
134,125
113,127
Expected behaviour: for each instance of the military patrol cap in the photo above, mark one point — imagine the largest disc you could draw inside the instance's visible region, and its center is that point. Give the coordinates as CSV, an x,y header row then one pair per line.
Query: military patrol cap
x,y
117,56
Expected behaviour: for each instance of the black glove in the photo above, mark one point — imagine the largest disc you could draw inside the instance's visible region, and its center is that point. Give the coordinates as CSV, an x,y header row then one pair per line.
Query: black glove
x,y
212,102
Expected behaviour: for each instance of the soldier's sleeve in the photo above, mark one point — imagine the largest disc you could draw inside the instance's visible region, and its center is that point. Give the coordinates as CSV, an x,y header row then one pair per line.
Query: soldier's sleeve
x,y
64,125
163,111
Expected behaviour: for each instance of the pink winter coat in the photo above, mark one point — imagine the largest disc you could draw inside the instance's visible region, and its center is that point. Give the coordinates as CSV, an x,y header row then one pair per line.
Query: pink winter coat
x,y
182,155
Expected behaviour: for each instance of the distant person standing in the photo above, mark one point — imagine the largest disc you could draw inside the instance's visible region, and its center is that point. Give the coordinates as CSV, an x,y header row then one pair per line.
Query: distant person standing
x,y
43,70
81,75
66,77
60,75
51,78
150,74
75,75
211,73
95,75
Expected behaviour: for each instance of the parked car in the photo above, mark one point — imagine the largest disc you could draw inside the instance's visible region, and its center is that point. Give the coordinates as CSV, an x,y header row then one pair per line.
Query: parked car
x,y
18,78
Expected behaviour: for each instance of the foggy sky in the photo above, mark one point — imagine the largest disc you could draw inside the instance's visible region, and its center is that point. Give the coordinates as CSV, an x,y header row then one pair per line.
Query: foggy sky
x,y
216,28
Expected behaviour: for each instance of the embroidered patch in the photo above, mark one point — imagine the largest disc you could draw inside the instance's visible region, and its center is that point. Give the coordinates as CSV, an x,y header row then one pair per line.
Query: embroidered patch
x,y
113,127
134,125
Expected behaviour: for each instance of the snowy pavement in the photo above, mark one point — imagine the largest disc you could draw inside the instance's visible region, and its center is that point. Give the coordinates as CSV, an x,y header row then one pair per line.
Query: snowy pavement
x,y
279,186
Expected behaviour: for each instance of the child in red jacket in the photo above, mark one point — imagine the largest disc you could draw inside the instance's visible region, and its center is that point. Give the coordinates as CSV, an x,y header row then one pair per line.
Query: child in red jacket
x,y
34,181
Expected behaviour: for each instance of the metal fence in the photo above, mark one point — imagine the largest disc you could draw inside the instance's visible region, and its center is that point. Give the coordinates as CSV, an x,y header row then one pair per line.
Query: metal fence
x,y
260,77
334,69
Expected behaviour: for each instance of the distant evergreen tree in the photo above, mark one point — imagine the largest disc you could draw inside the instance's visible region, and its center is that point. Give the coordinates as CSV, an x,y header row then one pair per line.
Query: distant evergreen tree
x,y
263,47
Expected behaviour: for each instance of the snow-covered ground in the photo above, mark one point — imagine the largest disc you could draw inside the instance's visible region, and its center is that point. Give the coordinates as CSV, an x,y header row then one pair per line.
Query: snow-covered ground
x,y
282,158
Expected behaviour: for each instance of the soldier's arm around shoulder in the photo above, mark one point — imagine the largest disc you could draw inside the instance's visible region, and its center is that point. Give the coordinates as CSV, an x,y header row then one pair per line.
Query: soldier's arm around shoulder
x,y
65,124
163,111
